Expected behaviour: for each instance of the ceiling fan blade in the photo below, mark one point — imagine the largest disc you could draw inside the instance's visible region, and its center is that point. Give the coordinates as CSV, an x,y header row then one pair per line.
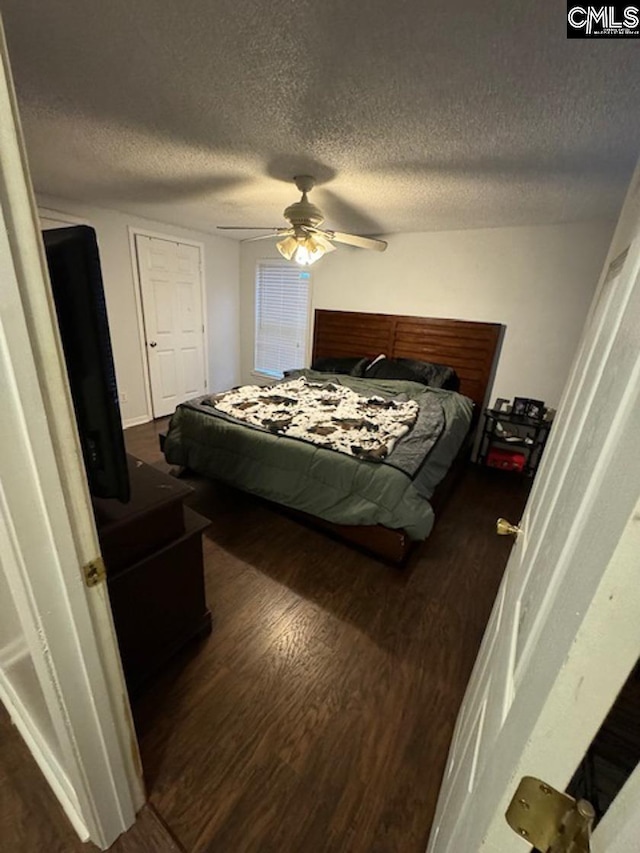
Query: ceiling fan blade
x,y
356,240
325,242
282,232
247,228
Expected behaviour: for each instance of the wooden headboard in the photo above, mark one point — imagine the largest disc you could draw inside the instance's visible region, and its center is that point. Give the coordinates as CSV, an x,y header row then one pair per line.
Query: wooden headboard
x,y
471,348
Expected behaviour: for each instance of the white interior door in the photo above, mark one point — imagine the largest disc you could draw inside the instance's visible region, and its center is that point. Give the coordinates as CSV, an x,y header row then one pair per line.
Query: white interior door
x,y
565,629
171,286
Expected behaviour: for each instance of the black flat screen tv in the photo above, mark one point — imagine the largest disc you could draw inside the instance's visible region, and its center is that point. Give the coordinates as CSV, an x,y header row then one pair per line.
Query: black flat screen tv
x,y
76,282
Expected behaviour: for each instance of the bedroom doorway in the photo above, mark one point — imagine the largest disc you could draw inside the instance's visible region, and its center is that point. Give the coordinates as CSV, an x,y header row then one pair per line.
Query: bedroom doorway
x,y
173,324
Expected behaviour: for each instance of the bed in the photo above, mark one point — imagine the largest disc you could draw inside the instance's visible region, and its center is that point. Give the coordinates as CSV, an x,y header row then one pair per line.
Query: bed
x,y
382,504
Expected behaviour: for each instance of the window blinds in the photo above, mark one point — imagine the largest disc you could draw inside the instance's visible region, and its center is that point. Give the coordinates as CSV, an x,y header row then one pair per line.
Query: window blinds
x,y
282,317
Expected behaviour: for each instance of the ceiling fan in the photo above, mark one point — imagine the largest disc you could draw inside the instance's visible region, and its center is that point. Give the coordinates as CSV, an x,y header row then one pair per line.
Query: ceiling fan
x,y
304,241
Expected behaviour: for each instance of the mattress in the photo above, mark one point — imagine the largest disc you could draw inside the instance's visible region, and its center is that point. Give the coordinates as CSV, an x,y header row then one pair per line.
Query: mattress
x,y
320,481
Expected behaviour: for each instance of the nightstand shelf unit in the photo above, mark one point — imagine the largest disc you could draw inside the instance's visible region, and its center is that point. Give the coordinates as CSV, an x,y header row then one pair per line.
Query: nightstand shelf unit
x,y
509,432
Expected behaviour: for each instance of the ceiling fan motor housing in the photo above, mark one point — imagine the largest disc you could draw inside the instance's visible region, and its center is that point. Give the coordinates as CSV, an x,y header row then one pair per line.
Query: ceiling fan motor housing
x,y
304,213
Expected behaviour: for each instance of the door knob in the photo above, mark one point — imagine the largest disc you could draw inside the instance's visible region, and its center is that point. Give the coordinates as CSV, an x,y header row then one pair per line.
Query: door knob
x,y
153,344
505,528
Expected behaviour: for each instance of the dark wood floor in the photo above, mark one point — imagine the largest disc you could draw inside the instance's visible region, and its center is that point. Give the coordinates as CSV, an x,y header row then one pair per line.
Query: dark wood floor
x,y
317,716
32,821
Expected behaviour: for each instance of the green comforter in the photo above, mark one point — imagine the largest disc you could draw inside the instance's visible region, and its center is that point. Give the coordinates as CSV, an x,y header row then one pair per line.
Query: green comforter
x,y
318,481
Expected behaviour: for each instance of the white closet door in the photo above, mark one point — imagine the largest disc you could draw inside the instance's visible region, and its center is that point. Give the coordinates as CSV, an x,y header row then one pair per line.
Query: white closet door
x,y
171,287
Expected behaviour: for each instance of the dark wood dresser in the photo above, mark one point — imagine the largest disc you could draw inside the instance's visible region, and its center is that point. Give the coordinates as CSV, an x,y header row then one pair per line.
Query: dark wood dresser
x,y
152,550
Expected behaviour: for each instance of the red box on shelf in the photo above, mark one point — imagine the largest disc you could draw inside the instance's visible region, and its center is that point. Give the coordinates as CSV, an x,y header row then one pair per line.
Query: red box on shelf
x,y
508,460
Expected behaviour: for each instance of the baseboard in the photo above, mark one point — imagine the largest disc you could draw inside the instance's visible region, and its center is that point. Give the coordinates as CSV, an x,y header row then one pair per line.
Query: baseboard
x,y
141,419
44,757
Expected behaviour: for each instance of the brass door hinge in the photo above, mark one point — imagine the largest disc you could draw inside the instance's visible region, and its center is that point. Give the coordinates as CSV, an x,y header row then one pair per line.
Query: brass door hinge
x,y
549,820
94,572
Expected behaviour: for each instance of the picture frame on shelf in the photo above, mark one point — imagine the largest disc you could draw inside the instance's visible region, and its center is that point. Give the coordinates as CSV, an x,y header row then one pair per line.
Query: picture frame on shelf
x,y
501,405
535,410
525,407
520,406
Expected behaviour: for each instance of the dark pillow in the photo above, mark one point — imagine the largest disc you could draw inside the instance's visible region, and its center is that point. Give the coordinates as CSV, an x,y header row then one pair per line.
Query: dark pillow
x,y
426,372
360,369
351,366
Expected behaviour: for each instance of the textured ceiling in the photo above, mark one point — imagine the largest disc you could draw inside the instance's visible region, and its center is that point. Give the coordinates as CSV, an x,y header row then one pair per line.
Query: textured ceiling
x,y
413,115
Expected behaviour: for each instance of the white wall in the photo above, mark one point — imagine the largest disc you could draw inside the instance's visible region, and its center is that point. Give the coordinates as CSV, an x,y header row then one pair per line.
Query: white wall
x,y
538,281
221,263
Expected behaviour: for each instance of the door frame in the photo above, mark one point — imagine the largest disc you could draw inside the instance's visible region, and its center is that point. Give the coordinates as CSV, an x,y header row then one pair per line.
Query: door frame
x,y
62,217
48,530
134,231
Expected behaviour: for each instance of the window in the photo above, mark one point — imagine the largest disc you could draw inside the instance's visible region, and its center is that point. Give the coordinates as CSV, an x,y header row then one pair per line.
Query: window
x,y
282,317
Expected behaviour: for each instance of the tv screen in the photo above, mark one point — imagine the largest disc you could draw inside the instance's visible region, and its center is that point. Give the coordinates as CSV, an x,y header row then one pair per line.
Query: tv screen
x,y
76,282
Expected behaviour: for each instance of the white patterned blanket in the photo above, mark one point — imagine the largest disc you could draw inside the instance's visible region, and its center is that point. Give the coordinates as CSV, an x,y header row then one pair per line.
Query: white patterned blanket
x,y
325,414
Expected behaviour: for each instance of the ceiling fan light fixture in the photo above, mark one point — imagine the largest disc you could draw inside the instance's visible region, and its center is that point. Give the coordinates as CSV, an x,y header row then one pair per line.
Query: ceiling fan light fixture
x,y
304,250
287,247
308,252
